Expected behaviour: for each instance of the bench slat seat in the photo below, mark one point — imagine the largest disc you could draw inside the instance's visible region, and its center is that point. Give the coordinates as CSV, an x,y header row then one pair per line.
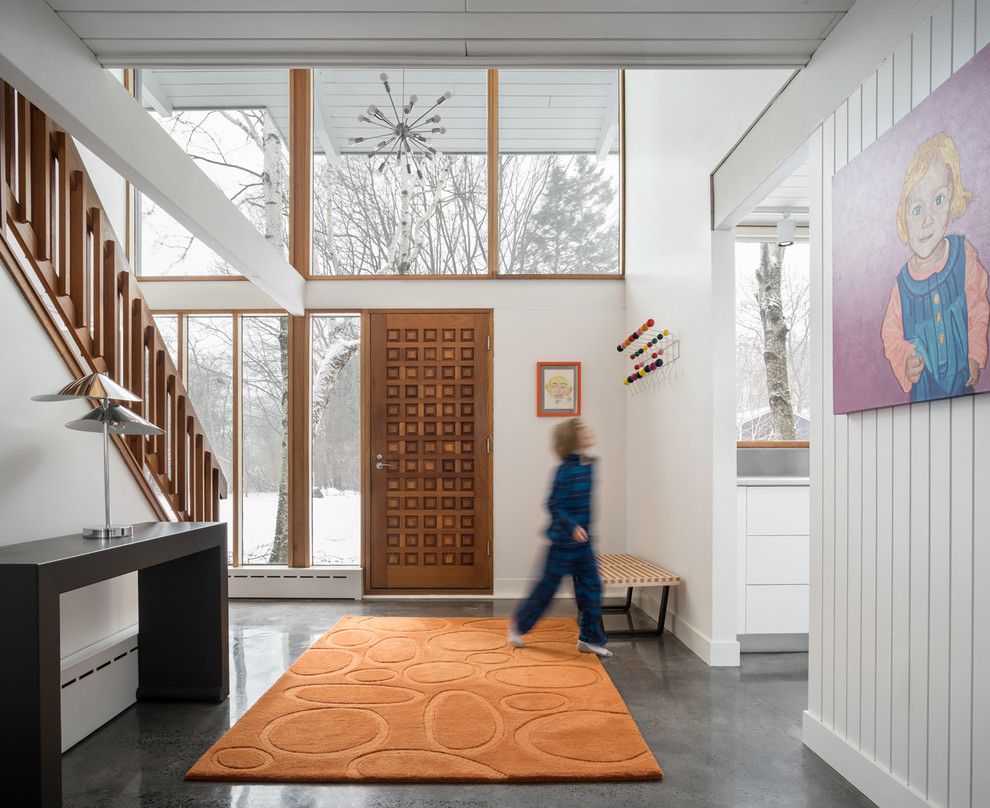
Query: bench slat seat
x,y
623,569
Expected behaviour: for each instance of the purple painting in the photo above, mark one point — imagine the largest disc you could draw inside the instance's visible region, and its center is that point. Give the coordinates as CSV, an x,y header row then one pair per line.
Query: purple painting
x,y
911,247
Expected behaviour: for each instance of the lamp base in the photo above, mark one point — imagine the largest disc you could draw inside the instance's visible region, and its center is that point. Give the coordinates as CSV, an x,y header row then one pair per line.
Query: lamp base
x,y
108,532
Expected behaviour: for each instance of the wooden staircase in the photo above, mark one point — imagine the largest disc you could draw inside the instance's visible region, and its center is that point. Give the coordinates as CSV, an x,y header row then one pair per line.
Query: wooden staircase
x,y
57,244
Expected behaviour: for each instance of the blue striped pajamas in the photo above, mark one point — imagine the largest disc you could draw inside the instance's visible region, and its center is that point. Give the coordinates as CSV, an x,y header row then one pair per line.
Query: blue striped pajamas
x,y
570,506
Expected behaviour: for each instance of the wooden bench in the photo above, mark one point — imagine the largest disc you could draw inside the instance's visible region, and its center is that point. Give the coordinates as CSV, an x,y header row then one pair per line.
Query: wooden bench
x,y
630,571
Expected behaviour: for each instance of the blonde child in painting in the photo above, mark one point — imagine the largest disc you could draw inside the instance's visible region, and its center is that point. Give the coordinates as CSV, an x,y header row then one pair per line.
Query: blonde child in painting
x,y
560,391
935,328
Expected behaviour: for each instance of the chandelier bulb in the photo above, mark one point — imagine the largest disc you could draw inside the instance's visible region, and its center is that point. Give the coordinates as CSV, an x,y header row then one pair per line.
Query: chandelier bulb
x,y
435,119
407,109
372,109
383,76
445,97
364,119
412,100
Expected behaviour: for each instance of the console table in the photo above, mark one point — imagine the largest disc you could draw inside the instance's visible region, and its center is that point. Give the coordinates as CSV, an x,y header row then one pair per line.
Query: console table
x,y
182,634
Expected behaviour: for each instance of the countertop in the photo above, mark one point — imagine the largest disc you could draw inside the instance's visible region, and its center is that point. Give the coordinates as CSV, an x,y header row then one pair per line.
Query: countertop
x,y
752,481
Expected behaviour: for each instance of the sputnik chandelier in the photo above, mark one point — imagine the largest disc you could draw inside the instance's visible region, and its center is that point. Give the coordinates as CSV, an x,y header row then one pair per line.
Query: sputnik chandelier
x,y
404,138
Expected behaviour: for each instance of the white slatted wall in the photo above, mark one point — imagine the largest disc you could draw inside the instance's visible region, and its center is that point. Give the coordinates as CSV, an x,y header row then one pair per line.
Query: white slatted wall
x,y
900,613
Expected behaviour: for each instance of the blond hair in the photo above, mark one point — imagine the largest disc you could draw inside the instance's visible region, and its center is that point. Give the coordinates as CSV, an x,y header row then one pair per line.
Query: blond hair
x,y
557,378
940,145
565,437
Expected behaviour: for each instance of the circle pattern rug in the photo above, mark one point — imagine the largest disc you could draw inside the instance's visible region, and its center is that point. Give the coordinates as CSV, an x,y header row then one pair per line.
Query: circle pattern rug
x,y
431,700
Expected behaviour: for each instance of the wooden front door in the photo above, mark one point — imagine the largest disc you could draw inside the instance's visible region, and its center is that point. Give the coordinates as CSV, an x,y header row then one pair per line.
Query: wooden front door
x,y
430,444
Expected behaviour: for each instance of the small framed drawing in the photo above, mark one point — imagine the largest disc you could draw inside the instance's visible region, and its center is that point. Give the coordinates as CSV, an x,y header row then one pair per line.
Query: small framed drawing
x,y
558,389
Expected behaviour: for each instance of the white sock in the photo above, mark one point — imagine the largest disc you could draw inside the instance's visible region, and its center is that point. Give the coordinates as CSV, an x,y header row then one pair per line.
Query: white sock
x,y
591,648
515,639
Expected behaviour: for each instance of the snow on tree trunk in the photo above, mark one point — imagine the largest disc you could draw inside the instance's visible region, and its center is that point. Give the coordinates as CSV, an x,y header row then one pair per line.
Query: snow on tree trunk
x,y
280,546
768,295
332,366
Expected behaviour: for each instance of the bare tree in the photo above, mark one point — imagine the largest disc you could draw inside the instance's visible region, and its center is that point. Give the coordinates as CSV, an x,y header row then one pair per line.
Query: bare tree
x,y
768,278
558,214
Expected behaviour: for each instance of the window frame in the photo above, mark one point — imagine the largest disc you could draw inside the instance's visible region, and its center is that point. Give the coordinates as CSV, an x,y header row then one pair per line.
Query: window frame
x,y
299,437
300,227
753,235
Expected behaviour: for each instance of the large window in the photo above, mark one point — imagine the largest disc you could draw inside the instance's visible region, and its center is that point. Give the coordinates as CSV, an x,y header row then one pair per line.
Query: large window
x,y
416,172
336,455
236,370
772,342
264,438
168,326
558,135
209,366
415,205
234,125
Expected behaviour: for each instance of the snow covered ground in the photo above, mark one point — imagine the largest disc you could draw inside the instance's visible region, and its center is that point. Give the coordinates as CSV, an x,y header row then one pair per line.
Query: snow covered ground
x,y
336,527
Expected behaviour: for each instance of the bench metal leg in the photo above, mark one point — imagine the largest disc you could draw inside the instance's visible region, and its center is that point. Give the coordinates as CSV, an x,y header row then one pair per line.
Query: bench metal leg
x,y
627,609
663,610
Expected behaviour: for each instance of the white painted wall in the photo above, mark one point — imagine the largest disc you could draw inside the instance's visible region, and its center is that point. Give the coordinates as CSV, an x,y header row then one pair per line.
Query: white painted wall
x,y
51,478
535,320
679,124
899,666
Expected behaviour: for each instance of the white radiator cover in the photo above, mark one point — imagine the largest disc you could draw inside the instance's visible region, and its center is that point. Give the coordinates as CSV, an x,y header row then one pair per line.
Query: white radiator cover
x,y
337,583
98,683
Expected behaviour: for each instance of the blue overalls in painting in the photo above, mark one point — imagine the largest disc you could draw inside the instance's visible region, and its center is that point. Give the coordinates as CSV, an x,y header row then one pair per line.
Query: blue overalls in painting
x,y
936,322
569,505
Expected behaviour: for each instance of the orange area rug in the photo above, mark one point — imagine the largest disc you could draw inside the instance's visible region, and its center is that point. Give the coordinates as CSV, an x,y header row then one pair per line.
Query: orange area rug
x,y
429,700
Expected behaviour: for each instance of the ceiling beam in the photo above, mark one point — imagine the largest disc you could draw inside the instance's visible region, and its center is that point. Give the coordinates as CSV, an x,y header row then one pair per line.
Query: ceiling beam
x,y
610,122
43,58
323,121
152,94
864,37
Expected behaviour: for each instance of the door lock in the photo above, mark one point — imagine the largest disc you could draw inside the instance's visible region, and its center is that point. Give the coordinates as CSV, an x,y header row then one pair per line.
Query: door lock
x,y
380,465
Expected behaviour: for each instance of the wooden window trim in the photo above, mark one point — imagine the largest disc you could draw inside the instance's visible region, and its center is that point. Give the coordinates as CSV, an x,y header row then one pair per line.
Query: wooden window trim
x,y
301,170
493,186
180,278
772,444
236,454
300,442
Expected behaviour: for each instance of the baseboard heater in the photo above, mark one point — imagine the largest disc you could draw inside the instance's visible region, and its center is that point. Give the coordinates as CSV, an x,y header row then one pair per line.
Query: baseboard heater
x,y
98,683
337,583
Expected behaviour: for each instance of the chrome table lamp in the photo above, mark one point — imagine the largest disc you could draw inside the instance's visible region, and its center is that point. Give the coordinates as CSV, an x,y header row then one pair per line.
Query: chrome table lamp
x,y
110,419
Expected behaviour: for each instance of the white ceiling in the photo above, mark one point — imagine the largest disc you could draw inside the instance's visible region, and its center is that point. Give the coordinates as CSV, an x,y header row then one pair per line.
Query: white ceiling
x,y
793,196
539,110
173,33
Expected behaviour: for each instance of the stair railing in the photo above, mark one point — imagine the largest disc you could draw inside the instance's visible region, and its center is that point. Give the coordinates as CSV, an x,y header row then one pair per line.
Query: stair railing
x,y
55,228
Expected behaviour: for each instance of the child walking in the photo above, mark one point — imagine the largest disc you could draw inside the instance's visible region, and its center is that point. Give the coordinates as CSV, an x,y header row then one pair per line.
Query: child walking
x,y
571,551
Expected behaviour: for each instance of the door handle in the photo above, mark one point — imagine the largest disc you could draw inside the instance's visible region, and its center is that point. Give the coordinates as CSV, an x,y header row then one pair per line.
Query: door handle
x,y
380,465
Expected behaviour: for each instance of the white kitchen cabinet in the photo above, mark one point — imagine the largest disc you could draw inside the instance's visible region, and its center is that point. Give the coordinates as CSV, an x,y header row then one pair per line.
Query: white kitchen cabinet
x,y
774,557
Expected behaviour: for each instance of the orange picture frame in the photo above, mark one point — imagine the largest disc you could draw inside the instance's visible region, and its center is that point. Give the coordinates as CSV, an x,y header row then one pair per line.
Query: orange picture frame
x,y
558,389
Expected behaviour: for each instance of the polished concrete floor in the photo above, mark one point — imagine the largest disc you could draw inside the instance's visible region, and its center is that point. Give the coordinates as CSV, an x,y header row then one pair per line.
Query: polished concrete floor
x,y
725,737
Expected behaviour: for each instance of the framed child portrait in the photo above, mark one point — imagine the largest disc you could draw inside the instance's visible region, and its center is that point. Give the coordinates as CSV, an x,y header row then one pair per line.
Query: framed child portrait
x,y
911,242
558,389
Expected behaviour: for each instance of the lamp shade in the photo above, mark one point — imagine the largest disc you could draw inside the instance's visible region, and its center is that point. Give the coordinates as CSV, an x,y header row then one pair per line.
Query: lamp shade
x,y
785,231
94,386
119,421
